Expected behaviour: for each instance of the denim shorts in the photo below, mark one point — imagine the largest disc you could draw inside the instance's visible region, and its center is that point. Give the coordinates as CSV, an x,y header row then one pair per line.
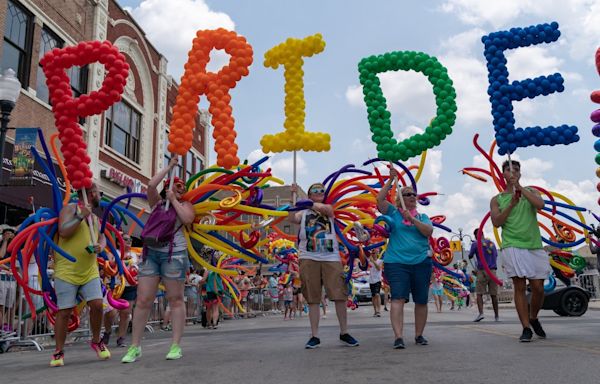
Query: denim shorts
x,y
157,263
405,279
66,293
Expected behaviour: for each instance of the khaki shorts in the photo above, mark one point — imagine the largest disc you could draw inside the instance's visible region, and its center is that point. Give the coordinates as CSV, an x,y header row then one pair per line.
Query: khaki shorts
x,y
485,284
316,274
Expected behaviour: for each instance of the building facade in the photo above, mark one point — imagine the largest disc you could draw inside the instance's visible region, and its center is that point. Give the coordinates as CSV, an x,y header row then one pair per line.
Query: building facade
x,y
127,143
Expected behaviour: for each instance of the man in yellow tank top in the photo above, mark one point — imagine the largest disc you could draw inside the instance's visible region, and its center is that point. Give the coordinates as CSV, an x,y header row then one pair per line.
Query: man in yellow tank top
x,y
515,211
81,276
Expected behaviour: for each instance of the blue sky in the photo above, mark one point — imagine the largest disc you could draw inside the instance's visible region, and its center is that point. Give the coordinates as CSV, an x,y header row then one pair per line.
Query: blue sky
x,y
451,30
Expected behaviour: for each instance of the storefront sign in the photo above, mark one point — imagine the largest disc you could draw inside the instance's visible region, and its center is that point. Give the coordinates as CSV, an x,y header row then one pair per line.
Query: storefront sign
x,y
123,180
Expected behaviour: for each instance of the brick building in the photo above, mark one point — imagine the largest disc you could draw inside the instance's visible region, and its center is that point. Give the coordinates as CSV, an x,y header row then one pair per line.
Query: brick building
x,y
127,143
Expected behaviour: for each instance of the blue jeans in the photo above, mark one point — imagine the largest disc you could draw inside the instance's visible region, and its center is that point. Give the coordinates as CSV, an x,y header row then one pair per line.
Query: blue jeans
x,y
66,293
405,279
157,263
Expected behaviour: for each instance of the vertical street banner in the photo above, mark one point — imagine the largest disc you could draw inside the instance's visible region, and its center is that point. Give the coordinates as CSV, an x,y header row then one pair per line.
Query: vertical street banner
x,y
22,159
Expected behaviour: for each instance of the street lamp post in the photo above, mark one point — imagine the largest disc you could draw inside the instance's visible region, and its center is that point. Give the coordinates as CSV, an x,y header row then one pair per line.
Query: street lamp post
x,y
10,89
460,237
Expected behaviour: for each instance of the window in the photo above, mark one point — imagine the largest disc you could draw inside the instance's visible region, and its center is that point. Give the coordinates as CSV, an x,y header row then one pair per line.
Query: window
x,y
77,75
123,130
189,165
16,50
48,42
199,165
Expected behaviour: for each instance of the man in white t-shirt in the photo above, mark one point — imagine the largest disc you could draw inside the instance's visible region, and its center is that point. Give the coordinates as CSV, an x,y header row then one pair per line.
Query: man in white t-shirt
x,y
321,264
375,272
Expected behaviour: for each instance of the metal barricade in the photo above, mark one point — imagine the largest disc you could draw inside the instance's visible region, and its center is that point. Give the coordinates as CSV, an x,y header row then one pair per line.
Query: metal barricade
x,y
590,282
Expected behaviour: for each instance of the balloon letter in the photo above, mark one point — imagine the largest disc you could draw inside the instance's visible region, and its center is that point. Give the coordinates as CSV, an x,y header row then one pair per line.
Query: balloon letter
x,y
379,117
294,138
196,81
502,93
66,109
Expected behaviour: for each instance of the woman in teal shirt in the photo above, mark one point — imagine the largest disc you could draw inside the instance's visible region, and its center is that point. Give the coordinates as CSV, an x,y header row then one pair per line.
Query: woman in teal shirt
x,y
407,262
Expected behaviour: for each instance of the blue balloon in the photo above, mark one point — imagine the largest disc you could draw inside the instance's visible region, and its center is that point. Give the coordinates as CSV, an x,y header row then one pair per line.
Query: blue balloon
x,y
502,92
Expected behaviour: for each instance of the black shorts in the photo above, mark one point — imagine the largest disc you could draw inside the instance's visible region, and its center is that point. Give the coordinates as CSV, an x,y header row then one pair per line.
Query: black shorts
x,y
129,293
211,298
375,288
297,291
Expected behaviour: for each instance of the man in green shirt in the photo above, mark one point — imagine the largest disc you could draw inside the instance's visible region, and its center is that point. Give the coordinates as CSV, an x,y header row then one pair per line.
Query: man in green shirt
x,y
515,211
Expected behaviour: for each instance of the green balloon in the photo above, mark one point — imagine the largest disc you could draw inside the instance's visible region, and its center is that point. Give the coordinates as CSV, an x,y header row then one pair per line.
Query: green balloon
x,y
380,118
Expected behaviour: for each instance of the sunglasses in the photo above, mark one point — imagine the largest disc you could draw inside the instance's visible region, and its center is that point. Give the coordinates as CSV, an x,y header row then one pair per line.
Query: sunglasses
x,y
409,194
317,190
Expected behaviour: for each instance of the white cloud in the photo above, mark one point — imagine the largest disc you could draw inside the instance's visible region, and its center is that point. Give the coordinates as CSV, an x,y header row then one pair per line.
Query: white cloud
x,y
496,13
579,19
282,165
172,25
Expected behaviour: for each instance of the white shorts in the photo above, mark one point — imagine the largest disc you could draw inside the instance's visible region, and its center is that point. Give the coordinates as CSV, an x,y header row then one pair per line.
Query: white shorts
x,y
529,263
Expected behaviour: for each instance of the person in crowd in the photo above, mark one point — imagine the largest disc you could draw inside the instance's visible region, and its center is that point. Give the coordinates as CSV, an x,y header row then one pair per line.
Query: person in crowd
x,y
437,291
375,272
515,211
79,236
167,261
288,300
320,264
130,259
407,262
386,294
484,284
324,304
214,290
294,270
8,285
245,285
192,282
274,292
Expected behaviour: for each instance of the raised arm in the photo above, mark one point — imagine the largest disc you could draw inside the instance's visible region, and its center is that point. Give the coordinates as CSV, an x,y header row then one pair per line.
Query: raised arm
x,y
153,195
382,203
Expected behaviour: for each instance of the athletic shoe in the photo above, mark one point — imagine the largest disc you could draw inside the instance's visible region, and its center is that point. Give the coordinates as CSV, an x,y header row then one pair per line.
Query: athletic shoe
x,y
101,350
478,318
526,335
313,343
378,314
537,328
399,343
420,340
58,359
133,353
174,352
121,342
349,340
497,319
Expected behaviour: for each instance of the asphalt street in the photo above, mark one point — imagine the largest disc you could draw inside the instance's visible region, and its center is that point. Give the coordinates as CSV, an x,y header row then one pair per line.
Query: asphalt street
x,y
269,350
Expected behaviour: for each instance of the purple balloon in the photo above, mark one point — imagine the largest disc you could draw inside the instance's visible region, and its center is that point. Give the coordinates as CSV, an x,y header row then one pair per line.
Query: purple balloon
x,y
595,116
596,130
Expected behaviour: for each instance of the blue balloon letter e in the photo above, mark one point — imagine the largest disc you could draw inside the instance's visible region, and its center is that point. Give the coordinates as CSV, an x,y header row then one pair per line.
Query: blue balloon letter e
x,y
502,93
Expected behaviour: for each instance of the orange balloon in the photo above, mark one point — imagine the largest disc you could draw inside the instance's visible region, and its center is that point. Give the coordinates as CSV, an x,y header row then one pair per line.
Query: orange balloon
x,y
197,81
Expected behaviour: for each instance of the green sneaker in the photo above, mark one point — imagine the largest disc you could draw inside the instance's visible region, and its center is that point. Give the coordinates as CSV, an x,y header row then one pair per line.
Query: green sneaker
x,y
58,359
132,354
174,353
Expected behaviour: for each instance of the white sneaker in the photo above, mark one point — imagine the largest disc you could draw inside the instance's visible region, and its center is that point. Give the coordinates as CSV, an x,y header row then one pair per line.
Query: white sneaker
x,y
478,318
497,319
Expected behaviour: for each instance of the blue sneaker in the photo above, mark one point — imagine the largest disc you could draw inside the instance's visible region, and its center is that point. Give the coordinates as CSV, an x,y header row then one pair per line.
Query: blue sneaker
x,y
349,340
313,343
